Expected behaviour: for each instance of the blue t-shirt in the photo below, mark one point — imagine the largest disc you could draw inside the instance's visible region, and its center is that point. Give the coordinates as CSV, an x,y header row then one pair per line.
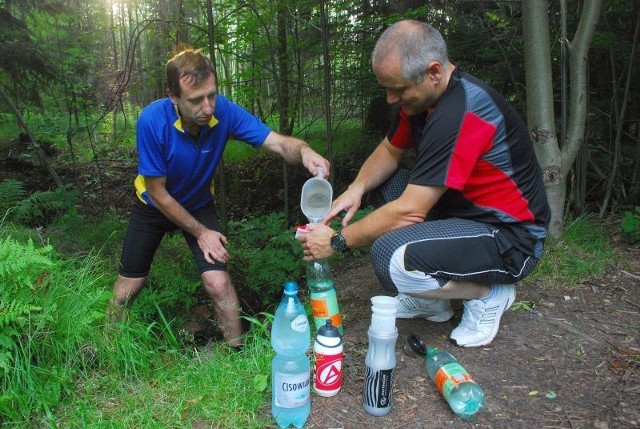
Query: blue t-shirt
x,y
188,163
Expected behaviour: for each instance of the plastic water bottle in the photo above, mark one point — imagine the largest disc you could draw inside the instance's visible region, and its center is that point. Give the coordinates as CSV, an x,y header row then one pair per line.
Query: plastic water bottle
x,y
464,396
324,302
381,356
290,368
327,373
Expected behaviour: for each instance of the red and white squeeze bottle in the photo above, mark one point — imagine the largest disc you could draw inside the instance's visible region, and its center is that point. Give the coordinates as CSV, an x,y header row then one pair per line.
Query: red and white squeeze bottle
x,y
327,371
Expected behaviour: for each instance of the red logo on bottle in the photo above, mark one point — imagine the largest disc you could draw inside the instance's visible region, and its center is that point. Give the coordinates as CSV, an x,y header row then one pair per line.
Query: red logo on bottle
x,y
328,374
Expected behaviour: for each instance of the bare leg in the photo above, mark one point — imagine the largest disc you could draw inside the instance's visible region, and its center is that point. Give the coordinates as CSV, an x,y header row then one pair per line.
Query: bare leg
x,y
456,290
125,292
225,301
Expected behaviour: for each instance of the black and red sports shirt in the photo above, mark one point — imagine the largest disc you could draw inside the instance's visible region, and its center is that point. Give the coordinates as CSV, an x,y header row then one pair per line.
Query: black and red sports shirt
x,y
474,142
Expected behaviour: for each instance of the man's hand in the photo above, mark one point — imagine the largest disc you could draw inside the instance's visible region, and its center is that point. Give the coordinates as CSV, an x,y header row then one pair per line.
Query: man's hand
x,y
312,161
349,203
316,242
212,245
295,151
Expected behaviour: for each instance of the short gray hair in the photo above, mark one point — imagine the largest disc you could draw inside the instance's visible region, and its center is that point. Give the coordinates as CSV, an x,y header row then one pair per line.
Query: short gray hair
x,y
416,43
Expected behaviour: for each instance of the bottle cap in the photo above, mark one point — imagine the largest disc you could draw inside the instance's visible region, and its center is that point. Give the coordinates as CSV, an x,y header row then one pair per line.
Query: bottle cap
x,y
418,346
291,288
328,330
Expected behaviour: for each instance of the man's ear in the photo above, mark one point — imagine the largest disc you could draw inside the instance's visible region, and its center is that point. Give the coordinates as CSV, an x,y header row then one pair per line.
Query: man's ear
x,y
434,71
173,98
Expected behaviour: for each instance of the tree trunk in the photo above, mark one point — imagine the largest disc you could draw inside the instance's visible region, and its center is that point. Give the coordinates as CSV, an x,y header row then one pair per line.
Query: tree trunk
x,y
540,115
283,95
615,159
556,160
327,84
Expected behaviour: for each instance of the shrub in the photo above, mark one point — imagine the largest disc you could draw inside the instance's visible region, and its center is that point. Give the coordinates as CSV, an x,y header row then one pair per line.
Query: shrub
x,y
630,224
38,209
265,254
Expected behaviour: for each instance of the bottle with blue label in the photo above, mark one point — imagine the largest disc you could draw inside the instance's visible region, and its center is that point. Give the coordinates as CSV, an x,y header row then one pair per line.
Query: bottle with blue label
x,y
290,368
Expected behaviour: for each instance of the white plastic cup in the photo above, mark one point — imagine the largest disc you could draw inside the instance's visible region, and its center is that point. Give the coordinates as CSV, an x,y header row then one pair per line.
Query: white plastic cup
x,y
383,301
316,197
383,317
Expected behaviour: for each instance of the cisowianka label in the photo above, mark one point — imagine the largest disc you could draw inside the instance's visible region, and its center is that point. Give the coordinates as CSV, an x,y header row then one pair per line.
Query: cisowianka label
x,y
300,323
292,390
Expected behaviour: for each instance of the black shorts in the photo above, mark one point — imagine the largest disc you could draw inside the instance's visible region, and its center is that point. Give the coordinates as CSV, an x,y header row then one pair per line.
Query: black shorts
x,y
425,256
147,226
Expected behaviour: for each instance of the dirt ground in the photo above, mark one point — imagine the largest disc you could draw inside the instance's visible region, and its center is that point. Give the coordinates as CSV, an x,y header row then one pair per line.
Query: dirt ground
x,y
572,362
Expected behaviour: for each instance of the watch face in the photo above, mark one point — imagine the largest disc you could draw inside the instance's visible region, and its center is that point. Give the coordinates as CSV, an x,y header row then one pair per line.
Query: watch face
x,y
337,243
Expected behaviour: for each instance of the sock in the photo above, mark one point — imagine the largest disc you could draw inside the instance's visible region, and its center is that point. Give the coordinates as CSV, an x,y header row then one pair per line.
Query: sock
x,y
486,298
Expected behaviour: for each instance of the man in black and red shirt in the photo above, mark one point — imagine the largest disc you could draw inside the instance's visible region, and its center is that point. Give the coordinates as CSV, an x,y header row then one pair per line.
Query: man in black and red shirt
x,y
470,218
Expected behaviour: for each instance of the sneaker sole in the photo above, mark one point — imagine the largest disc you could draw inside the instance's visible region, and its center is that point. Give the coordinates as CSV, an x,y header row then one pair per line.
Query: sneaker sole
x,y
494,331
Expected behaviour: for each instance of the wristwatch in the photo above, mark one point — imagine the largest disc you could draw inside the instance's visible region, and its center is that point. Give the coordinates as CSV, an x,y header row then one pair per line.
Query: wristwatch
x,y
338,243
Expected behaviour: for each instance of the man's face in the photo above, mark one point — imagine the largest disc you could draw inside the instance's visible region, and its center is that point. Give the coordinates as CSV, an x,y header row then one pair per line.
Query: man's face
x,y
411,97
196,103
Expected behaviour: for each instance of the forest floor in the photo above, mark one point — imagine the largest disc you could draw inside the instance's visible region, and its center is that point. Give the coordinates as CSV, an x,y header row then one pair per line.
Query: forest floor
x,y
571,362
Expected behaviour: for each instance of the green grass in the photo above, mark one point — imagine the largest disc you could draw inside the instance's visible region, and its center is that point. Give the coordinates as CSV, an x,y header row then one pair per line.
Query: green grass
x,y
62,365
187,389
582,251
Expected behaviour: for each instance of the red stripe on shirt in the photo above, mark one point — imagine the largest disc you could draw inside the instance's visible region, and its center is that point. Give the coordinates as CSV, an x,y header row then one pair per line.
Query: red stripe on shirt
x,y
481,182
475,138
490,187
402,135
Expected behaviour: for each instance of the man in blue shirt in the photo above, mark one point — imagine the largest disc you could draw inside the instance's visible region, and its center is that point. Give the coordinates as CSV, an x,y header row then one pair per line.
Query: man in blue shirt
x,y
180,140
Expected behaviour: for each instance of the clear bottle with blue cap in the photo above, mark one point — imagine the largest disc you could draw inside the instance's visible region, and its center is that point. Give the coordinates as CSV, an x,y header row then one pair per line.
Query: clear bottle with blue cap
x,y
290,368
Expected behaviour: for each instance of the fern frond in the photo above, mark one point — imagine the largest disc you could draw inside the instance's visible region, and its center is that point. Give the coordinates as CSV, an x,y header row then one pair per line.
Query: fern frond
x,y
13,311
42,207
11,193
21,264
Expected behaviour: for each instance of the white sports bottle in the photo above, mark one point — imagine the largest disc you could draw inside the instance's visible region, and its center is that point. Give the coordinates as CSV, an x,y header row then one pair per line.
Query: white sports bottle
x,y
327,348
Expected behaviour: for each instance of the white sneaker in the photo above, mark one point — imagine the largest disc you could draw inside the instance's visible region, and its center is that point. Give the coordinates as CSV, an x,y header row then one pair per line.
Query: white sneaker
x,y
481,320
434,310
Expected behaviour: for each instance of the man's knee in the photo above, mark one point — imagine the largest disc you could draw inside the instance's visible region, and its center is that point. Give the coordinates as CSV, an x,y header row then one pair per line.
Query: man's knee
x,y
126,290
216,283
381,255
